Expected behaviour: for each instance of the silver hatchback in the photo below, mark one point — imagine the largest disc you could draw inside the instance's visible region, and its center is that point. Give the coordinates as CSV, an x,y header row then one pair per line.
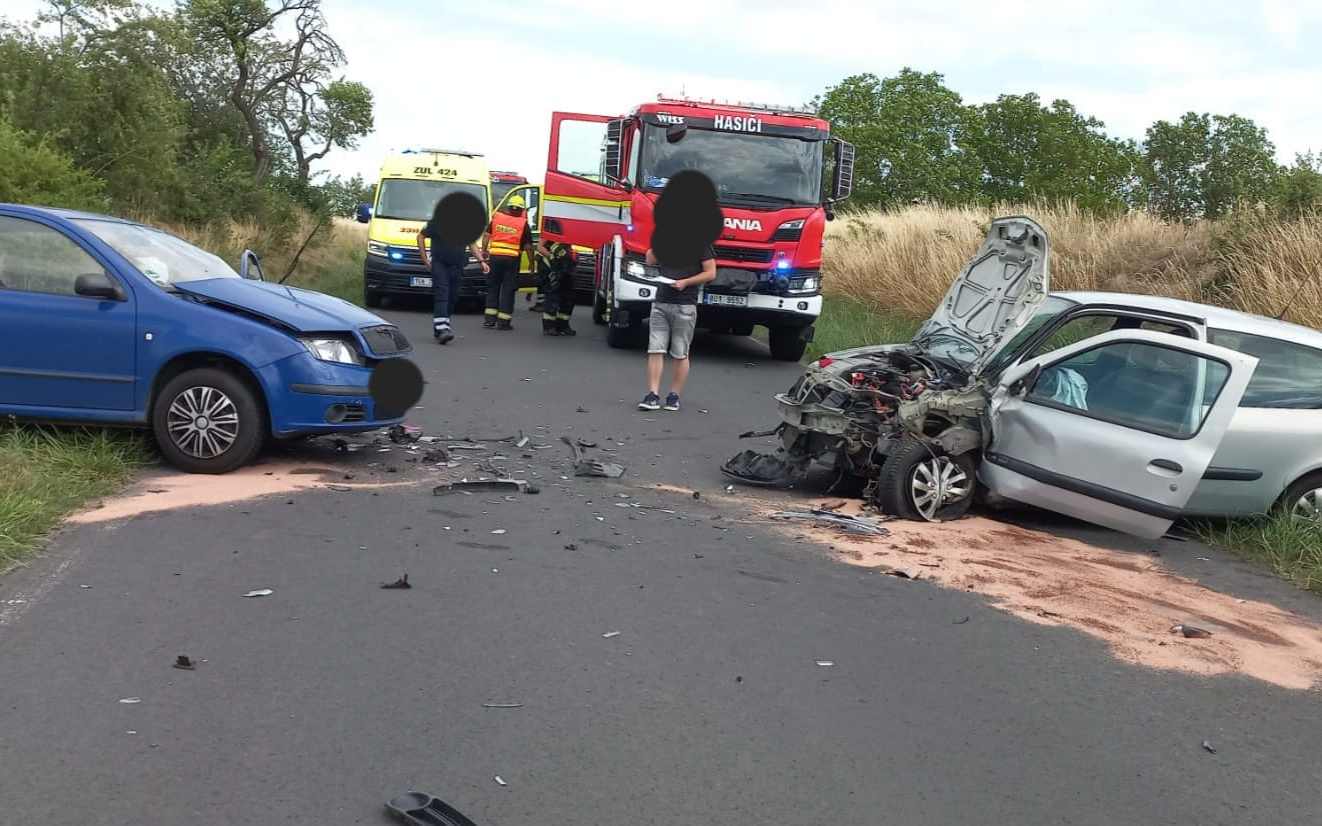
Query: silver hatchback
x,y
1125,410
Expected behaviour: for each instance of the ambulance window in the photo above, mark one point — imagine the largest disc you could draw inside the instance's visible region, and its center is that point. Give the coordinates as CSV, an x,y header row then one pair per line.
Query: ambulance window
x,y
580,149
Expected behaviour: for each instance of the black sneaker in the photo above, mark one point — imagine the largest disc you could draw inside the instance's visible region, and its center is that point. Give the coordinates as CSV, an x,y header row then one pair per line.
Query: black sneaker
x,y
504,324
672,402
489,322
650,402
444,335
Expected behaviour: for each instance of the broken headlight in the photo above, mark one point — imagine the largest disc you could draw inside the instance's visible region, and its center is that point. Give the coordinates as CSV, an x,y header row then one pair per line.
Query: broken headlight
x,y
335,350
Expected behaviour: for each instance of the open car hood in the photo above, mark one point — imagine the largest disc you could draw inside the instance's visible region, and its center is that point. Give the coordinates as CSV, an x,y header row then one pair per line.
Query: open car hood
x,y
302,311
996,294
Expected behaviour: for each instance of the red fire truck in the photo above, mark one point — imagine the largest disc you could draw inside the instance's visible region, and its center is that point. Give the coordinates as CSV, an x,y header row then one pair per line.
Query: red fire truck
x,y
502,183
769,165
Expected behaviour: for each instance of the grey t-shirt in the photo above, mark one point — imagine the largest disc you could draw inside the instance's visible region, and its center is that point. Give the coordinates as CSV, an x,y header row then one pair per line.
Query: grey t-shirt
x,y
670,295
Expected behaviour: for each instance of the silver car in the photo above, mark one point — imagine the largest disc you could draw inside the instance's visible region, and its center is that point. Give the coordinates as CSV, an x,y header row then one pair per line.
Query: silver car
x,y
1124,410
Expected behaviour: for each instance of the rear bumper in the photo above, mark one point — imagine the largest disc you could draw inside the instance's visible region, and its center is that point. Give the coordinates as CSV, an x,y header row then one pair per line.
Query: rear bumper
x,y
305,396
386,278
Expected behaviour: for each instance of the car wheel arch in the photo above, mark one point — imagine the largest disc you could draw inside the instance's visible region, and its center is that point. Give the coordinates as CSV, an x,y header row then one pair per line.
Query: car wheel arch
x,y
184,362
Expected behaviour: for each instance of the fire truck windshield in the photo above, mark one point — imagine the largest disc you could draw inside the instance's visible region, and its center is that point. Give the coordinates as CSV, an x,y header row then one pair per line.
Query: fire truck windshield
x,y
406,200
760,170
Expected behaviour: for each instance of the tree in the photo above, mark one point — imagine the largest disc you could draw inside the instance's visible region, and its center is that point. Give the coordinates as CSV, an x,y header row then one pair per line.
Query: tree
x,y
32,172
912,137
263,73
1298,189
1205,165
330,115
1031,151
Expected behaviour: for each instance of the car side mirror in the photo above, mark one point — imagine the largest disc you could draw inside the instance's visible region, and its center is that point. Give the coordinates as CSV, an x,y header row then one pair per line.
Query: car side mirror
x,y
250,266
1024,383
97,285
363,213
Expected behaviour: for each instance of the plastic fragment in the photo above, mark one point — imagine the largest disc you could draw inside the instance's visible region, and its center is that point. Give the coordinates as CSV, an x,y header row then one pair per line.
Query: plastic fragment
x,y
500,781
610,634
502,705
260,592
128,701
183,663
1191,631
401,583
1208,747
825,663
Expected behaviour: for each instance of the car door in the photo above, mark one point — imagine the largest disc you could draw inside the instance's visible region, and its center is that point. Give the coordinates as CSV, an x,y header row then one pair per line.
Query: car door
x,y
1116,429
532,196
61,349
583,202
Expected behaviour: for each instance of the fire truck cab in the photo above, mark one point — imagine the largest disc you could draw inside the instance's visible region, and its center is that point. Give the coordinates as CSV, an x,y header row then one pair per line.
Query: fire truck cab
x,y
604,175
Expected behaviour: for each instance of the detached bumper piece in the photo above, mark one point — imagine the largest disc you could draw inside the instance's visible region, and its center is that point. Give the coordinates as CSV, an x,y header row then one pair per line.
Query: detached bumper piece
x,y
764,469
422,809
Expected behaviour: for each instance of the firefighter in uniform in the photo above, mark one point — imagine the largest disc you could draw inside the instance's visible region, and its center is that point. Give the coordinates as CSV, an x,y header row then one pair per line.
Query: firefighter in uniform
x,y
508,237
556,266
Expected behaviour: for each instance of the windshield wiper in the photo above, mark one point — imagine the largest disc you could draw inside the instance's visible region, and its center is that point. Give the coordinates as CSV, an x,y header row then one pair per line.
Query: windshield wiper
x,y
758,196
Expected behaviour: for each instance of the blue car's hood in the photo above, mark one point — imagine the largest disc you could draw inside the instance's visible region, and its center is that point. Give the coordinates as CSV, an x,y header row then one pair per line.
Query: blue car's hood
x,y
303,311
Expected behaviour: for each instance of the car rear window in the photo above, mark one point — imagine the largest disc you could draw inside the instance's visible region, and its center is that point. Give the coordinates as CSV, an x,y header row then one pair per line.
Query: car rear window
x,y
1289,375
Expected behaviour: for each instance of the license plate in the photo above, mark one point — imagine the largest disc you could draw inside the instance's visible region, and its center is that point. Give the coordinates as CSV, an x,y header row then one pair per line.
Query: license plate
x,y
727,300
420,281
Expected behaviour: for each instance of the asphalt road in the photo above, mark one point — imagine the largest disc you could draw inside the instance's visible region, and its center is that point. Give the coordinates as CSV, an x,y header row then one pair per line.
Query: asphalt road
x,y
319,702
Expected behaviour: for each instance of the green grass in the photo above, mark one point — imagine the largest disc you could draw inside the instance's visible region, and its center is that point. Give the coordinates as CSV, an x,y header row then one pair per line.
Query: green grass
x,y
1291,548
339,274
47,472
847,322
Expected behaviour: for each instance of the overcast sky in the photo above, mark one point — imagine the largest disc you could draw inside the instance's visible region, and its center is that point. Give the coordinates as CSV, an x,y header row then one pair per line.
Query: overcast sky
x,y
486,76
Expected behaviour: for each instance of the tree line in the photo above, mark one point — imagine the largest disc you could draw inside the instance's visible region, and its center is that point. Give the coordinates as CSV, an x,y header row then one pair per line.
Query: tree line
x,y
917,140
215,109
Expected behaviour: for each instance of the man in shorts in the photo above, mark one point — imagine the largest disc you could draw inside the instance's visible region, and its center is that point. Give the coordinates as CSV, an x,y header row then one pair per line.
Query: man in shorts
x,y
670,328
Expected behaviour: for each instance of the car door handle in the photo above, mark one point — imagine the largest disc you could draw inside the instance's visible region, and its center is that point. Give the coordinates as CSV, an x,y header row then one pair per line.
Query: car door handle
x,y
1167,464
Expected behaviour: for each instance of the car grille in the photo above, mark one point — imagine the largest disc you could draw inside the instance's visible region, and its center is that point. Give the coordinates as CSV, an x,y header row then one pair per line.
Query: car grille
x,y
753,255
385,340
585,272
355,413
404,255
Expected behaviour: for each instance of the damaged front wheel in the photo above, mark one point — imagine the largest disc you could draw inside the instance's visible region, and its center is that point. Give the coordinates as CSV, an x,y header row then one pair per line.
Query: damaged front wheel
x,y
921,481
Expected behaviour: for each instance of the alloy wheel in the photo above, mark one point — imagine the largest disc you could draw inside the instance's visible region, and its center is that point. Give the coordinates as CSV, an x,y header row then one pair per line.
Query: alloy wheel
x,y
203,422
1309,506
936,483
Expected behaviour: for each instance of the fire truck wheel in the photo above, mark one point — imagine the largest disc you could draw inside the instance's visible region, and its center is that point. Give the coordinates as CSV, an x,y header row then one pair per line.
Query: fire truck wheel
x,y
598,309
787,343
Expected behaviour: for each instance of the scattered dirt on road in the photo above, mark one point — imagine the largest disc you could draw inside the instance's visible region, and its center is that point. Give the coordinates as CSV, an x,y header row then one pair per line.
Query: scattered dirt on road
x,y
168,491
1127,599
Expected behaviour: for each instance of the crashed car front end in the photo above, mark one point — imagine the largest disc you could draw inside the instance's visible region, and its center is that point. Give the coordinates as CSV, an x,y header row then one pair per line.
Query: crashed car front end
x,y
926,399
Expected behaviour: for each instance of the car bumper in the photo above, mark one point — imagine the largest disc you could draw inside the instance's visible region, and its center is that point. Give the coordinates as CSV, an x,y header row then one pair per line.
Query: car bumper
x,y
305,396
771,310
386,278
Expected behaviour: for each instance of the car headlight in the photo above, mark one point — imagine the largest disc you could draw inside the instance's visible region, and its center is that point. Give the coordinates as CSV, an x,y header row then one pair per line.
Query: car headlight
x,y
335,350
377,248
635,268
795,224
804,285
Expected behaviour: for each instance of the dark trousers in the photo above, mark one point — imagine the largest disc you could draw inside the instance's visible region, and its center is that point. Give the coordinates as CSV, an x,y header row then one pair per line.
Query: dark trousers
x,y
558,294
501,282
444,291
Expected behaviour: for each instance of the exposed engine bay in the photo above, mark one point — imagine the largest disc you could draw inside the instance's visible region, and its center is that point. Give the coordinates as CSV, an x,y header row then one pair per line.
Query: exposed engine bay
x,y
908,419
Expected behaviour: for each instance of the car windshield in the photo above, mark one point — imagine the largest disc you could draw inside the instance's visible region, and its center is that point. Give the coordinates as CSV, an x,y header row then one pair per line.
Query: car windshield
x,y
1052,307
402,200
160,256
756,170
499,189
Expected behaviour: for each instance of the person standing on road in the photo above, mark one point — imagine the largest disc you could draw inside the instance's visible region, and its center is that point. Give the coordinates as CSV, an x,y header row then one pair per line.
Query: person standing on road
x,y
671,325
688,221
556,265
508,238
446,260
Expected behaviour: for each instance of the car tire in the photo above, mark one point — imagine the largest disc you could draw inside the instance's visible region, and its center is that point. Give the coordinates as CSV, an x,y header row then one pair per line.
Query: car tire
x,y
1294,501
742,330
913,468
787,343
371,298
217,448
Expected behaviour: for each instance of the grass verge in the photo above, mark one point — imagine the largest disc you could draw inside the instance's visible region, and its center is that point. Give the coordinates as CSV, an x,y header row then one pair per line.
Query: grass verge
x,y
48,472
1291,548
848,322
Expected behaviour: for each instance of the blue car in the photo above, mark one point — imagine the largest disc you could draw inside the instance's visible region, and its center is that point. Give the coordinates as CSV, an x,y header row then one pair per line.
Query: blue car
x,y
113,322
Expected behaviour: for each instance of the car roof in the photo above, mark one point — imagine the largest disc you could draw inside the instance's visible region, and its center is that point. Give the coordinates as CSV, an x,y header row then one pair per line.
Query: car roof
x,y
67,214
1218,317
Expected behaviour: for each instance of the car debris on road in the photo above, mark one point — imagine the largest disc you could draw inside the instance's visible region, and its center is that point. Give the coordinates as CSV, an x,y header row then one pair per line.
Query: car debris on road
x,y
1191,631
463,485
261,592
592,467
184,663
840,521
399,584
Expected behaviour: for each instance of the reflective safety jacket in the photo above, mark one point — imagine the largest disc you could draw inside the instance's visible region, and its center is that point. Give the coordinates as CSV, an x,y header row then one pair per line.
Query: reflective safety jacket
x,y
506,235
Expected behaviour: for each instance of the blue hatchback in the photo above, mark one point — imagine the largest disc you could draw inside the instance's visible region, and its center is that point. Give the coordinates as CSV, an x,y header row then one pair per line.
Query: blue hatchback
x,y
113,322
